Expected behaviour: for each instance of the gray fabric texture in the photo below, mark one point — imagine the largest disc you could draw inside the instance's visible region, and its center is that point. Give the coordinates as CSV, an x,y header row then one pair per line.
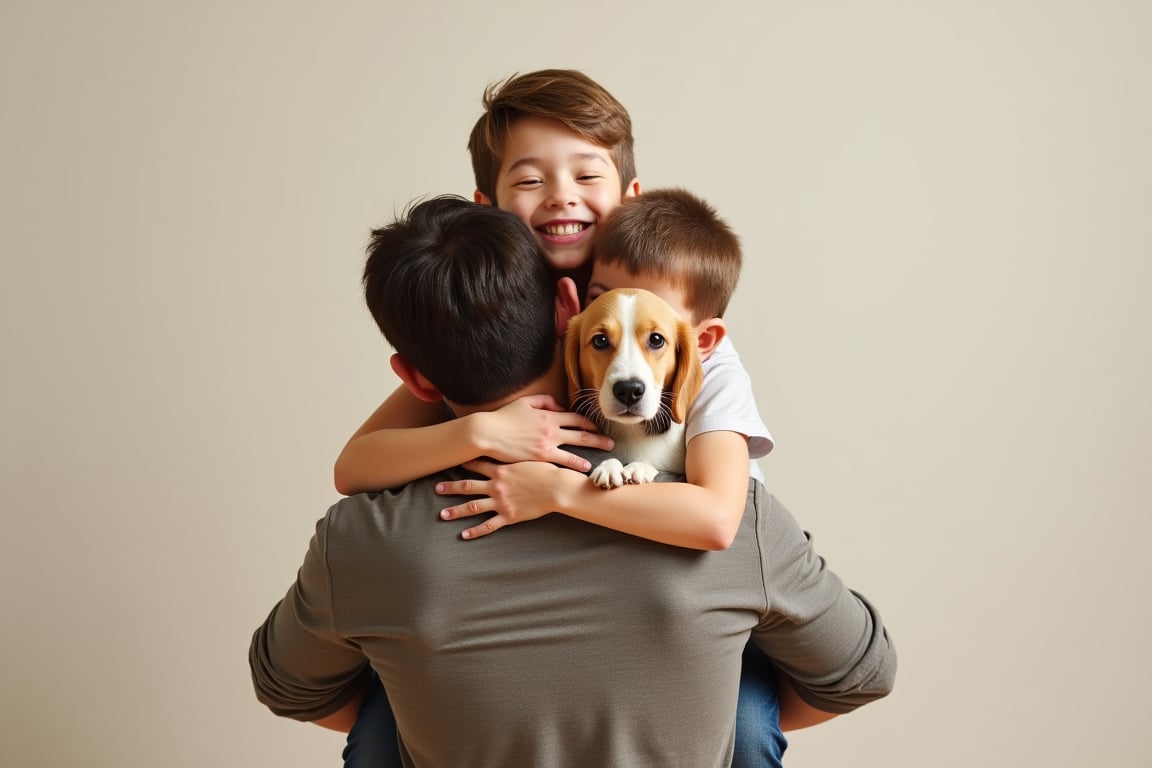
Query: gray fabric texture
x,y
555,642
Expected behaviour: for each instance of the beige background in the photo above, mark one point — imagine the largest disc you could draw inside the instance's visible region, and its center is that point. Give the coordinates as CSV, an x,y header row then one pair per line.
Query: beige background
x,y
945,310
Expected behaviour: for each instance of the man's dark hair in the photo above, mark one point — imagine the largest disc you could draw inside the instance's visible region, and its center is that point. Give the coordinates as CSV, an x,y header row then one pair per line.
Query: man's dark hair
x,y
464,294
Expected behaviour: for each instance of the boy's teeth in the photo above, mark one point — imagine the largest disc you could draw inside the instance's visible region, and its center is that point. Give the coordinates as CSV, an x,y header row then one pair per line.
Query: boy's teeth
x,y
563,229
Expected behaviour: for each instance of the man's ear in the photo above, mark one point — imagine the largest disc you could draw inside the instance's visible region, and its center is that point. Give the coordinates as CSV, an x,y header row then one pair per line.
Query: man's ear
x,y
567,304
480,197
632,189
414,380
709,334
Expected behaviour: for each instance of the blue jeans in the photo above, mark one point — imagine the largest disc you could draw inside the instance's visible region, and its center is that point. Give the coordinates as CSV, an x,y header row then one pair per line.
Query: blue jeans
x,y
372,740
759,741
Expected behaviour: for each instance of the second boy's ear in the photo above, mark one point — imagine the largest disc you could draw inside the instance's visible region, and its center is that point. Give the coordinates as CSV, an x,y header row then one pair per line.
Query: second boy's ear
x,y
709,334
480,197
414,380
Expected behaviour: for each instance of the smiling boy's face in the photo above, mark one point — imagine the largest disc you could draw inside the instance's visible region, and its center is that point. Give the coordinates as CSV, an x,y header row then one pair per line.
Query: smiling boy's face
x,y
560,185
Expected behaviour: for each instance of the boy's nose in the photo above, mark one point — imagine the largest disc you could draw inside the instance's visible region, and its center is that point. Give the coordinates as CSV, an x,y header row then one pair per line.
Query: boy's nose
x,y
562,195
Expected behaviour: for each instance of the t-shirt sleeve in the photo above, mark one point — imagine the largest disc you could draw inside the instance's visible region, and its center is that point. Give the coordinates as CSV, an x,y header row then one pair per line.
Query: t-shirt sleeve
x,y
827,638
726,402
301,667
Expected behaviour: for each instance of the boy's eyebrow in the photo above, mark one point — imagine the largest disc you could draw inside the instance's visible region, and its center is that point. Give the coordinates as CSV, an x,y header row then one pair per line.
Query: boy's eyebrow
x,y
574,156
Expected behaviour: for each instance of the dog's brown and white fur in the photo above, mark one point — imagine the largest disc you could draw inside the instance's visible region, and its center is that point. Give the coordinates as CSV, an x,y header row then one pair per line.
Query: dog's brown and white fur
x,y
634,370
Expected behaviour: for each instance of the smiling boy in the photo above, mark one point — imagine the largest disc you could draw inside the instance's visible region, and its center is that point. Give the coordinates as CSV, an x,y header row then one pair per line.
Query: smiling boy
x,y
555,148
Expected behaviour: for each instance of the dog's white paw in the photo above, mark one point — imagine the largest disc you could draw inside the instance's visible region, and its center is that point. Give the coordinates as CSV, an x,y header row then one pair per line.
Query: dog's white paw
x,y
609,474
639,472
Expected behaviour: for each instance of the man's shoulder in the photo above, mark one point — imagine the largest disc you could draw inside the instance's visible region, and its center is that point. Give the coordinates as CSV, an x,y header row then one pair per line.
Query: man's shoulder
x,y
362,509
401,493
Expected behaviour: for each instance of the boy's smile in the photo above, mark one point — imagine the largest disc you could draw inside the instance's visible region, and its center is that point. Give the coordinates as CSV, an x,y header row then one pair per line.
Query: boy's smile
x,y
560,184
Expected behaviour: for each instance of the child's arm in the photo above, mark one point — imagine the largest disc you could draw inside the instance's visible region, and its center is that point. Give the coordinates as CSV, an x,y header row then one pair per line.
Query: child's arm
x,y
407,438
795,713
702,513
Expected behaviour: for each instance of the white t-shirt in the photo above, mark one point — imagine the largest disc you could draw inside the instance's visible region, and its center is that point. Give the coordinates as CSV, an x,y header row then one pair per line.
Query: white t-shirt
x,y
726,403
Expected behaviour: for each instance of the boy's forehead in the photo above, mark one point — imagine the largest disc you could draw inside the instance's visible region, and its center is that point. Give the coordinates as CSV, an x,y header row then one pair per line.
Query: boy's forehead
x,y
607,277
531,136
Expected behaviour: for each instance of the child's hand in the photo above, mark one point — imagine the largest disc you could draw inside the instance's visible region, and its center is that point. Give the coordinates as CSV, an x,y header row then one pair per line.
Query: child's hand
x,y
533,428
515,492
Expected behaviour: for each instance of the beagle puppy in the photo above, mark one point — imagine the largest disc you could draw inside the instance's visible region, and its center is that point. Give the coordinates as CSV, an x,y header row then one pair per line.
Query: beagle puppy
x,y
633,370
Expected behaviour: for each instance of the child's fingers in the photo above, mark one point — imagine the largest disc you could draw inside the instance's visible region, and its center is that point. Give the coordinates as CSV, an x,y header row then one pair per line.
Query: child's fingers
x,y
462,488
481,467
576,421
542,402
569,460
491,525
587,439
459,488
468,509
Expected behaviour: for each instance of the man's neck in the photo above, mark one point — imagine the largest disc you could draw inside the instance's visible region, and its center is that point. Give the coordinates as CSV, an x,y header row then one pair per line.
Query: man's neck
x,y
553,383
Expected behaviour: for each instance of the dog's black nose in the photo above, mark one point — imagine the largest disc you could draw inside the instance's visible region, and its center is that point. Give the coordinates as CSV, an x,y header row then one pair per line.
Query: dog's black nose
x,y
629,391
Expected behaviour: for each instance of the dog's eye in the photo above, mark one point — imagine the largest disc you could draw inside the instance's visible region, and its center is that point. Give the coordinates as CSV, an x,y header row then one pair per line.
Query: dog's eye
x,y
600,341
656,341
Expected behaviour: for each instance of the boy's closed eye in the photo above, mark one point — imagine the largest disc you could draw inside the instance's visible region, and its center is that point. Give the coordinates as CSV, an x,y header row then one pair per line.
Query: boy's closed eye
x,y
595,290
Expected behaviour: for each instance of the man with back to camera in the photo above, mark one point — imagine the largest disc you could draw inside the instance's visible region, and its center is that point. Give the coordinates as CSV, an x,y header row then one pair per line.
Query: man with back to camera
x,y
556,642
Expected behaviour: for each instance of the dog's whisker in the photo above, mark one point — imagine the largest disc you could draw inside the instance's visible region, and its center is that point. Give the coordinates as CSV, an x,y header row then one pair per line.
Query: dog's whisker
x,y
662,421
587,403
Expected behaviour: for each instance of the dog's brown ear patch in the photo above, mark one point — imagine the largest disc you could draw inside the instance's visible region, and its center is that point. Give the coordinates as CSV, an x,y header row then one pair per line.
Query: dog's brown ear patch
x,y
689,375
572,359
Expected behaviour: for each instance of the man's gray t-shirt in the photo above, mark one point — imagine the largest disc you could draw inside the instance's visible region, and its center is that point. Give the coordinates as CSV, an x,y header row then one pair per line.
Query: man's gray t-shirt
x,y
556,642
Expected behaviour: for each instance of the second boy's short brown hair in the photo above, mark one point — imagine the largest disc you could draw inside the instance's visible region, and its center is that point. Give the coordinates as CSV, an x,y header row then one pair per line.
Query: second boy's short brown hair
x,y
677,236
567,96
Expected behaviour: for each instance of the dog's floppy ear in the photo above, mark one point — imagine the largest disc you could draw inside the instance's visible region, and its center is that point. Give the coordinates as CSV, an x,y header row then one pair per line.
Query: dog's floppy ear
x,y
689,376
572,358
